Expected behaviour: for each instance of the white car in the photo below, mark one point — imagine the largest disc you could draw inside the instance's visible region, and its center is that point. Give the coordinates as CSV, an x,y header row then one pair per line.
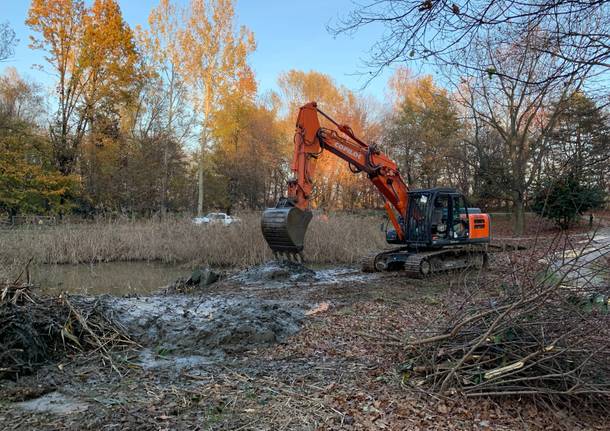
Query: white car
x,y
216,218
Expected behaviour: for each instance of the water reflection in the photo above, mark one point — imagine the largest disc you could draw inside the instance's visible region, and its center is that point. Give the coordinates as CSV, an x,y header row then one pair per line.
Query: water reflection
x,y
115,278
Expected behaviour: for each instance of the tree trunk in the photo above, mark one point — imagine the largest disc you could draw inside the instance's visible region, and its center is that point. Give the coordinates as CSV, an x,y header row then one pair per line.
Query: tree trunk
x,y
164,177
518,213
203,142
200,186
169,132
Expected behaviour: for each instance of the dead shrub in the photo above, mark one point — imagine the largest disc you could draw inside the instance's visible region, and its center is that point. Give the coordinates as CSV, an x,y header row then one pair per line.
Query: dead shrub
x,y
546,336
35,330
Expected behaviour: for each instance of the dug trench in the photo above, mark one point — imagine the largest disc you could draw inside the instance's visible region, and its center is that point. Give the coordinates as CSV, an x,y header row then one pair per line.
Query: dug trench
x,y
271,347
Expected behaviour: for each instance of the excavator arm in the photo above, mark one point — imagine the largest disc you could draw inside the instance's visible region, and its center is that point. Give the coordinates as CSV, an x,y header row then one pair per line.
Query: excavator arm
x,y
285,225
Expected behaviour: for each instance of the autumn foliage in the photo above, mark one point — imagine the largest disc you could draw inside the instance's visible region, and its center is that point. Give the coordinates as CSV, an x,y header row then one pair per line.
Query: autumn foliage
x,y
168,117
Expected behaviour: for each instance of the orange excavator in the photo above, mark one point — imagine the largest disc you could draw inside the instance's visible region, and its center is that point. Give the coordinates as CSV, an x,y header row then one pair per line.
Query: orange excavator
x,y
434,230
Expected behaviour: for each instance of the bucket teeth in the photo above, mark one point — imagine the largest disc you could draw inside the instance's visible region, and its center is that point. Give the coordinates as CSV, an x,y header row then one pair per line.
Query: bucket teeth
x,y
288,257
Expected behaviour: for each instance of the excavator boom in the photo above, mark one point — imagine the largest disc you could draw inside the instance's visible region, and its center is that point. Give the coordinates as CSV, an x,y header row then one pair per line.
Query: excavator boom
x,y
284,226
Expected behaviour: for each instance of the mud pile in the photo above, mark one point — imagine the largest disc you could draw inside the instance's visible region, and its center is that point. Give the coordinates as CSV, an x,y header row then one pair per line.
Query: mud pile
x,y
182,324
275,271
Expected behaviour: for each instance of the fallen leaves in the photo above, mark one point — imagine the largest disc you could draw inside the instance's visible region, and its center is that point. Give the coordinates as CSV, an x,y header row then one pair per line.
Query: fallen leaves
x,y
320,308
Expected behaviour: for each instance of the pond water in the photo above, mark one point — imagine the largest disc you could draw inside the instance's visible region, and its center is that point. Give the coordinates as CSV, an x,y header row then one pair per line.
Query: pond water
x,y
114,278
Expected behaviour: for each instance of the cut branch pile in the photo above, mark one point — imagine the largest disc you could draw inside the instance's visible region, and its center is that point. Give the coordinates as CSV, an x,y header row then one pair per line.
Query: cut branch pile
x,y
36,329
547,337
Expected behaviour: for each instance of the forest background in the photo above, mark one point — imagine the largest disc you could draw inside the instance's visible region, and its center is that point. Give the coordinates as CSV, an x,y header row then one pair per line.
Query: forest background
x,y
169,118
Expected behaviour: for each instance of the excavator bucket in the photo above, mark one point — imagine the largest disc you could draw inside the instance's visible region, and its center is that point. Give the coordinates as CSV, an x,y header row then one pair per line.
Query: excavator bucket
x,y
284,229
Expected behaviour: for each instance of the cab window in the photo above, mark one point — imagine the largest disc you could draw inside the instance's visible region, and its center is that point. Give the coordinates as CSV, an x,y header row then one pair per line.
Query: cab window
x,y
417,217
459,219
440,214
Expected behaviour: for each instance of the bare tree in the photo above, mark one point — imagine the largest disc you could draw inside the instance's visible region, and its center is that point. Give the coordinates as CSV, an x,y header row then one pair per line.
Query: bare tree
x,y
446,31
514,62
8,40
20,99
521,111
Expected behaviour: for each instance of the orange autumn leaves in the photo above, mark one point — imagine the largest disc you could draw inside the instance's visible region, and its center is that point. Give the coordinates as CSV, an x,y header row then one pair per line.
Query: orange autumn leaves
x,y
184,85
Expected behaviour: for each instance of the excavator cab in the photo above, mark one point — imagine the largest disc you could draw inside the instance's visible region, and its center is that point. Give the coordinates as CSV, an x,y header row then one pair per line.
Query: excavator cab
x,y
440,233
439,217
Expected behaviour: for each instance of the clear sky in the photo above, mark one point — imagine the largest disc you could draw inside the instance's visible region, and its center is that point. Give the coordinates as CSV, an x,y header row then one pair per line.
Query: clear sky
x,y
289,34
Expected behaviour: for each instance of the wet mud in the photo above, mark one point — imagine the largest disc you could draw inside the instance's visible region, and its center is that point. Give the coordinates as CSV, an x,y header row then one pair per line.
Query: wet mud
x,y
53,402
184,324
204,324
275,271
223,318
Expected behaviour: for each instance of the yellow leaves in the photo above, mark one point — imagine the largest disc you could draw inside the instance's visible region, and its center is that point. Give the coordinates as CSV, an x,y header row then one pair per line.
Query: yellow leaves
x,y
336,185
161,41
418,93
246,83
108,49
204,48
83,41
26,184
60,24
216,63
299,87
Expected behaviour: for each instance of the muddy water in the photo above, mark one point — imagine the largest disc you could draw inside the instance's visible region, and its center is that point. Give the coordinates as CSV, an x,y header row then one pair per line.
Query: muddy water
x,y
115,278
186,330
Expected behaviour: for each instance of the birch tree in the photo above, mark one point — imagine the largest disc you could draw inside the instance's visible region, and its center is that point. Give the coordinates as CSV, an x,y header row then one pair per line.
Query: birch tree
x,y
215,62
164,116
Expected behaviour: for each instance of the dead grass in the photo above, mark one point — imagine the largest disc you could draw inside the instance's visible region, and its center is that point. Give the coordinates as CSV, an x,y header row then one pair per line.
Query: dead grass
x,y
502,225
342,239
35,329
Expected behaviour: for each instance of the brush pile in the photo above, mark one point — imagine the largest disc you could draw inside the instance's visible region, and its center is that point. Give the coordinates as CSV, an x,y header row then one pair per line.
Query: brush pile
x,y
35,329
546,337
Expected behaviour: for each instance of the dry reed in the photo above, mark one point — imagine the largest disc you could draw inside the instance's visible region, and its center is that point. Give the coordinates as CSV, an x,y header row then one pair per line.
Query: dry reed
x,y
37,329
341,239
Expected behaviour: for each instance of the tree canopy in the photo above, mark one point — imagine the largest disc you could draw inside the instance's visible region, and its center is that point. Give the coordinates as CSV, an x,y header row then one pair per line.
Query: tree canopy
x,y
169,117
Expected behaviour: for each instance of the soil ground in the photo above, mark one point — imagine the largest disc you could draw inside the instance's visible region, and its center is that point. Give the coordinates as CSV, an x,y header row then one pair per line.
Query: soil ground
x,y
265,349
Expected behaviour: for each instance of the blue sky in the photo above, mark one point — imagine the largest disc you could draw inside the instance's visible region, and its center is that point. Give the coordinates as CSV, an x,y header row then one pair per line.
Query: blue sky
x,y
289,35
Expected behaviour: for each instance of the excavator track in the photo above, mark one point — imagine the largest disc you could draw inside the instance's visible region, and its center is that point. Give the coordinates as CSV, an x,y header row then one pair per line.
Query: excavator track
x,y
367,263
425,263
370,262
419,265
429,263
